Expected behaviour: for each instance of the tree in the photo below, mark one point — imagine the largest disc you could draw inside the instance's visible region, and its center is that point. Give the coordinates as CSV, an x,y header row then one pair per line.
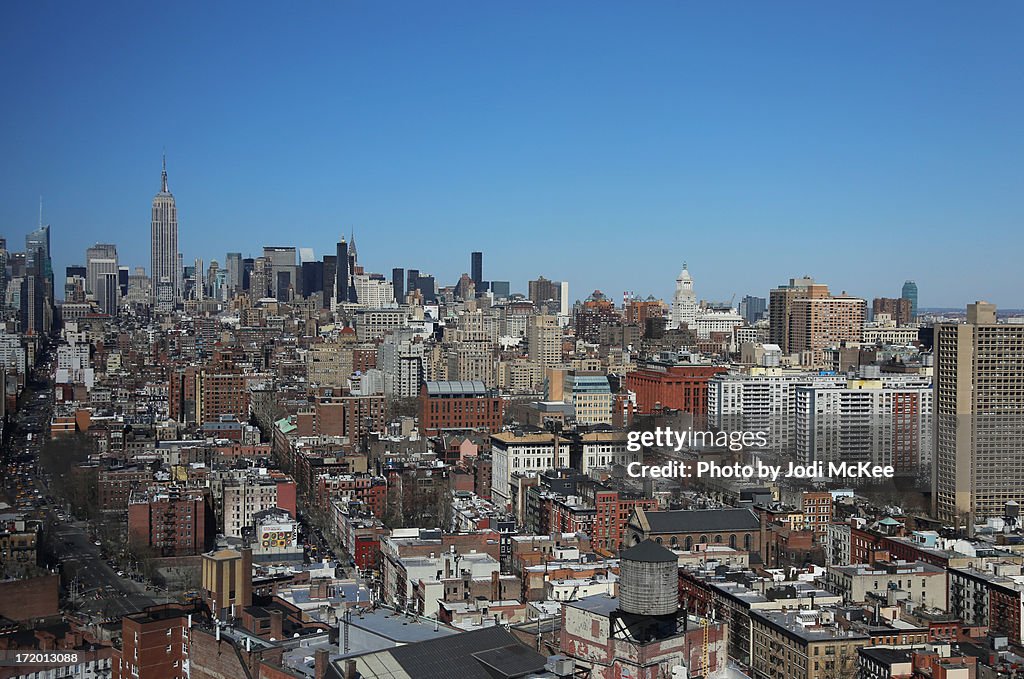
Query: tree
x,y
62,458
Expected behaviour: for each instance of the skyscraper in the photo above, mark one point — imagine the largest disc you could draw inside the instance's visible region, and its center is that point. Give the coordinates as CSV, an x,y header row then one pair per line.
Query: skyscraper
x,y
543,290
344,288
979,417
234,267
123,273
752,308
910,292
817,323
330,279
780,307
312,278
107,292
398,283
477,270
684,302
412,280
37,254
99,259
248,264
164,266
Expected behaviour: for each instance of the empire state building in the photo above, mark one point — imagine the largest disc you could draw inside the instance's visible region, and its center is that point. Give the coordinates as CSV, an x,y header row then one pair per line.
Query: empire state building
x,y
164,246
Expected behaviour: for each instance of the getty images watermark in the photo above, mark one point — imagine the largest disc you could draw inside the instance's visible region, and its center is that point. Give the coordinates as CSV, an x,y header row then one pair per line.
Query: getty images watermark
x,y
735,441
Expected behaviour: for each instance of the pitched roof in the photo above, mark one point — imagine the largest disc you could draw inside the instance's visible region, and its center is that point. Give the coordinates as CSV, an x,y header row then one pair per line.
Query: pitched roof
x,y
649,551
702,520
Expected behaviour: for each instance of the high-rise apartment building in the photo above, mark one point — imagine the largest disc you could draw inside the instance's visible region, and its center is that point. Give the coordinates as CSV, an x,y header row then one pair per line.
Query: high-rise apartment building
x,y
818,323
780,307
898,309
165,267
542,291
884,421
979,417
544,339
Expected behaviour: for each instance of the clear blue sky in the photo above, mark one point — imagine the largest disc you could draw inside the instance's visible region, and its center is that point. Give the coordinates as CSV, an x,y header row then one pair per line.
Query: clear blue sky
x,y
600,142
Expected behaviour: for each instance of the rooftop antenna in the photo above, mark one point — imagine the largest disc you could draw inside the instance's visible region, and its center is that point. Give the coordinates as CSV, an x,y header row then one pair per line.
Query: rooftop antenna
x,y
163,173
40,211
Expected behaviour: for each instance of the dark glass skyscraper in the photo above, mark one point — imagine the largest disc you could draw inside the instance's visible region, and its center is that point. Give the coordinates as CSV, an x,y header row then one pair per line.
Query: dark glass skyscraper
x,y
330,278
412,278
477,270
343,275
312,278
248,264
398,283
910,292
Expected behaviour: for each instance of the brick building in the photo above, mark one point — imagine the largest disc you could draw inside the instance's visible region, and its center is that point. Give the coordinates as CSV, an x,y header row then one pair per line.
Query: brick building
x,y
459,405
174,521
614,508
679,386
114,486
154,643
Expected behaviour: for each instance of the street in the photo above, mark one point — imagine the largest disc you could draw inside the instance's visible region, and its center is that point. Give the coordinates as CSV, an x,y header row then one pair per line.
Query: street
x,y
91,584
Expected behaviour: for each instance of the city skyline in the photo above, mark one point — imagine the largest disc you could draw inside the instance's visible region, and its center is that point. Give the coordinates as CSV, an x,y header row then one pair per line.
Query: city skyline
x,y
520,279
713,136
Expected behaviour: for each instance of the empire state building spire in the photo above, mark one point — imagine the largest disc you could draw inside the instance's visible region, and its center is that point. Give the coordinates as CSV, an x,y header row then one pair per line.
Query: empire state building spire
x,y
163,176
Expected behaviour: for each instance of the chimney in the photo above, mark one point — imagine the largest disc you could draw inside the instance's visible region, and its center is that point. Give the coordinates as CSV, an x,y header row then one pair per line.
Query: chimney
x,y
320,663
350,669
277,624
495,586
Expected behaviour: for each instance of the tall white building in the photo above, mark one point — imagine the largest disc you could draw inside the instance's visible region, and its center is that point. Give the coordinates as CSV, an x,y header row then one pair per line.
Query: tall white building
x,y
763,400
374,291
514,451
544,339
402,360
885,421
165,267
715,321
684,303
99,259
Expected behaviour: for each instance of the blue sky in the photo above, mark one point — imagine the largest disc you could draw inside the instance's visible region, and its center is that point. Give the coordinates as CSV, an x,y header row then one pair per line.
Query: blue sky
x,y
603,143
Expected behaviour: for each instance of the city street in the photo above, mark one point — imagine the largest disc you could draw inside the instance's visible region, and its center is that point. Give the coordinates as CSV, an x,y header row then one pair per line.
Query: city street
x,y
92,585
